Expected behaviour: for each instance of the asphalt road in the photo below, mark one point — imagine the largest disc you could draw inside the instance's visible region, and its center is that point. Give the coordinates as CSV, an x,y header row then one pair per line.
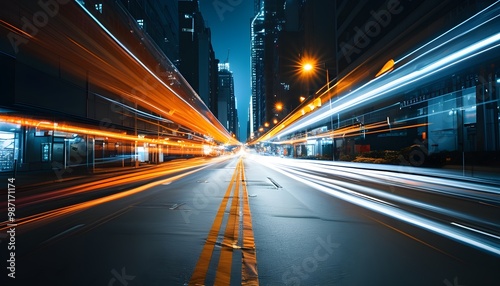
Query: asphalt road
x,y
249,220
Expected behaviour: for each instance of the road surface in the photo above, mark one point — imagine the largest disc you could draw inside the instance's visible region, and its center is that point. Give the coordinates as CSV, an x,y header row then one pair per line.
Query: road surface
x,y
256,220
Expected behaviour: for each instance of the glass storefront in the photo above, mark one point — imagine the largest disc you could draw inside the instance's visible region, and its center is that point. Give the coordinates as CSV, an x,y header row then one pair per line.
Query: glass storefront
x,y
9,146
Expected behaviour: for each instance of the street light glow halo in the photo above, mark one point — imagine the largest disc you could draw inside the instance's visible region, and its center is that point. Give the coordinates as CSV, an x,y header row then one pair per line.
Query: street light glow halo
x,y
307,67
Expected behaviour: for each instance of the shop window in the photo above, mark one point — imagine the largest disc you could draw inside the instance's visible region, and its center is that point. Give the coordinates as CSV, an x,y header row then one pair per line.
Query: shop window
x,y
46,155
7,147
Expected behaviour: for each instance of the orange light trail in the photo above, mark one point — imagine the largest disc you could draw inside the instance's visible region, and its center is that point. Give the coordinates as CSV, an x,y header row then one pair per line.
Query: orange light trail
x,y
46,125
186,167
118,68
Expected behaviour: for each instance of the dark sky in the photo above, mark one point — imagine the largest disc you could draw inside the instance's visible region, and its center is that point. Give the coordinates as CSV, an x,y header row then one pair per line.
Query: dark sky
x,y
229,21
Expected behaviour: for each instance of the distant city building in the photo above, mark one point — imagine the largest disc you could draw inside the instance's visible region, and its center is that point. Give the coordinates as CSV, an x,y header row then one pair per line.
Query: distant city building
x,y
258,99
227,112
273,25
250,119
197,57
269,89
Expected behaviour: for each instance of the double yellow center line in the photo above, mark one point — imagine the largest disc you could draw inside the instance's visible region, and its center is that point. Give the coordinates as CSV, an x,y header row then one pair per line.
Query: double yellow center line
x,y
239,221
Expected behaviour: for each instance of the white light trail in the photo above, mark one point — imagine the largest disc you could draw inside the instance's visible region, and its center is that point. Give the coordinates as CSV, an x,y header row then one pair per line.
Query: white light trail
x,y
336,189
131,54
396,81
474,17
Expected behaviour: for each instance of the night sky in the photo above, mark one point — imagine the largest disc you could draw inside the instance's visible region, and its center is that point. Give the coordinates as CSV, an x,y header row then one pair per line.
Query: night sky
x,y
229,21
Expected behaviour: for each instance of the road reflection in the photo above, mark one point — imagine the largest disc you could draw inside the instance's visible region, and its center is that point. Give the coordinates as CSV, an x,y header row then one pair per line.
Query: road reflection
x,y
462,210
164,174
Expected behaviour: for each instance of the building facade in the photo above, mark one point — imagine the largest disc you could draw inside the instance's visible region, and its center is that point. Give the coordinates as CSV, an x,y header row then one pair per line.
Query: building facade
x,y
227,111
159,19
447,118
284,34
197,62
94,88
257,53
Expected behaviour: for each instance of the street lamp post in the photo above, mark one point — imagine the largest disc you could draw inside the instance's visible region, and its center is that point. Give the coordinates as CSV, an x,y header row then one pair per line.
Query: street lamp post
x,y
308,67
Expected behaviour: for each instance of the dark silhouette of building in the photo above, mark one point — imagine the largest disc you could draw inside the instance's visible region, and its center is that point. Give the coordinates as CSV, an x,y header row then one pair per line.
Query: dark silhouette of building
x,y
227,112
257,52
197,62
89,82
159,19
350,42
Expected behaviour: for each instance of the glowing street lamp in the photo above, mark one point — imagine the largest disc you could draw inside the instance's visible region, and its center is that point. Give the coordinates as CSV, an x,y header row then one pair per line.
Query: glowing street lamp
x,y
307,67
278,106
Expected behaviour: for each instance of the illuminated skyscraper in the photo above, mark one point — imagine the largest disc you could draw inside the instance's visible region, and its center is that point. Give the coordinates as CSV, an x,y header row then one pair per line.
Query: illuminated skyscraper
x,y
257,34
227,113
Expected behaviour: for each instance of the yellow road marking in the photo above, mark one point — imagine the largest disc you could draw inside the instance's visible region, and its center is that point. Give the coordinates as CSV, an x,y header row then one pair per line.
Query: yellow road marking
x,y
249,275
201,268
223,275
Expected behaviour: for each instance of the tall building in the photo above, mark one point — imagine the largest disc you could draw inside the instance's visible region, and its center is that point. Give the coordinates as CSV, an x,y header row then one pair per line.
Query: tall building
x,y
250,119
304,31
98,67
379,31
159,19
214,83
277,38
258,100
350,42
273,25
227,112
318,23
265,27
197,58
288,85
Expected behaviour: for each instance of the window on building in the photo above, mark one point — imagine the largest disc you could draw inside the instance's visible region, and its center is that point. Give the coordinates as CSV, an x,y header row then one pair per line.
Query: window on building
x,y
98,7
140,22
